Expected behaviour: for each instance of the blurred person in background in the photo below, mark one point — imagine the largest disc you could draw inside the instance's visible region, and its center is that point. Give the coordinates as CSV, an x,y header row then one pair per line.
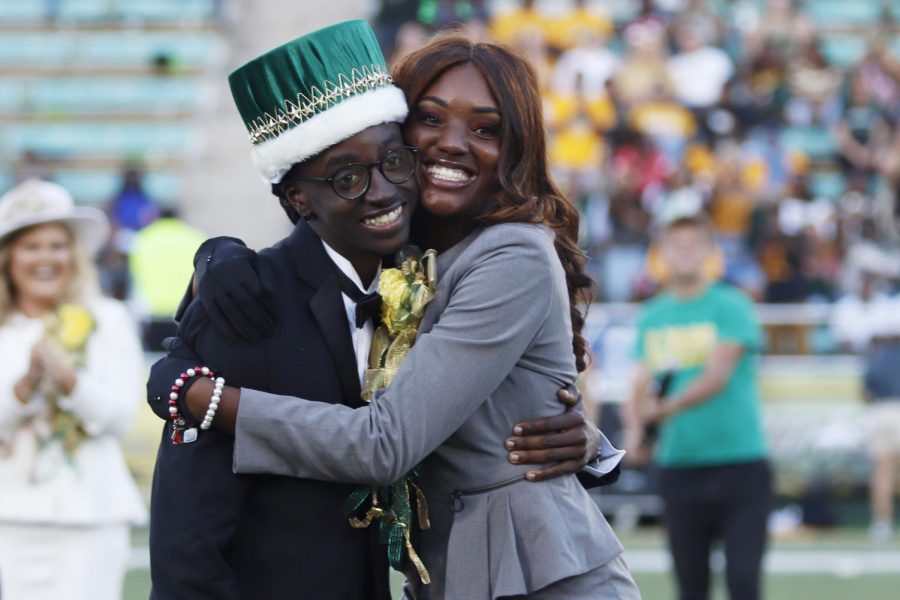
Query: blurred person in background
x,y
700,70
731,205
579,91
664,120
582,21
440,14
70,384
814,85
861,130
882,394
638,173
643,75
715,480
410,36
161,253
392,15
887,194
759,91
880,70
130,210
781,24
855,315
524,20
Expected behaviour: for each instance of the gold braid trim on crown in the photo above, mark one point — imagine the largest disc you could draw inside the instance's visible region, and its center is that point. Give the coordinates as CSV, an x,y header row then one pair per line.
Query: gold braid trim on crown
x,y
269,126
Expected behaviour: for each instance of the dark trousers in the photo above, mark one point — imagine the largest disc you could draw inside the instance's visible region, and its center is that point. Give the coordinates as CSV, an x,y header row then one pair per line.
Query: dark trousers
x,y
704,505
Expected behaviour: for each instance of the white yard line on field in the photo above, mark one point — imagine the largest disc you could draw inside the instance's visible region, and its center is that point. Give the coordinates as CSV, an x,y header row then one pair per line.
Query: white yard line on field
x,y
843,563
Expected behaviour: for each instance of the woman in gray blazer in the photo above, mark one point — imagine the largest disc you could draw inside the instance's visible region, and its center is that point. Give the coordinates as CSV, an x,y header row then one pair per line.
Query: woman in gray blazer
x,y
495,344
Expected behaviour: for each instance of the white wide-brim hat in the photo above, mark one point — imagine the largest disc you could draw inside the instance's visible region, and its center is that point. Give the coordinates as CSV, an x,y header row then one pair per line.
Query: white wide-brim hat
x,y
36,202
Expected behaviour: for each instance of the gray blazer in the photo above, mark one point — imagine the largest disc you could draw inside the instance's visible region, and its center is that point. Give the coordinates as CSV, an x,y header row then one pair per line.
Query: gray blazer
x,y
493,349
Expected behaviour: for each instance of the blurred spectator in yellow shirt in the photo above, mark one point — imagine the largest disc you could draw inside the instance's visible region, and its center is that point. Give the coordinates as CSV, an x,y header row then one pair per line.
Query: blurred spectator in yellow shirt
x,y
525,20
577,147
732,203
643,71
161,260
578,26
669,124
580,80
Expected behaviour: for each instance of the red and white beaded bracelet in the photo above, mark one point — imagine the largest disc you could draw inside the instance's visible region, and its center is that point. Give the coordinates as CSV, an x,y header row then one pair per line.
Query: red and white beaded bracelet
x,y
180,435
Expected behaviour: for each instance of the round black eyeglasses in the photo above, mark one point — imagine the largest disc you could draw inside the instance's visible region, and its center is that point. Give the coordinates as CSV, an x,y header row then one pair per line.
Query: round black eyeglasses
x,y
351,182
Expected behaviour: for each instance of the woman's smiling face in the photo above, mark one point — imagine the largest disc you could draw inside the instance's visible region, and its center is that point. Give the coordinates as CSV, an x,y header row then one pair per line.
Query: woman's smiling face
x,y
456,126
41,263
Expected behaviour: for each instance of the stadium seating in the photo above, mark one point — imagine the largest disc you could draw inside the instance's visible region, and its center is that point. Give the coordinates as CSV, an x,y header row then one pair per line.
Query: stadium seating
x,y
100,83
844,50
108,11
89,48
841,13
100,139
815,142
98,186
827,184
66,96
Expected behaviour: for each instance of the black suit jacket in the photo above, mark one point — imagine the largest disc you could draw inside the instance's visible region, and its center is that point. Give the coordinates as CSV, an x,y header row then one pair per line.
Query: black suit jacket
x,y
217,535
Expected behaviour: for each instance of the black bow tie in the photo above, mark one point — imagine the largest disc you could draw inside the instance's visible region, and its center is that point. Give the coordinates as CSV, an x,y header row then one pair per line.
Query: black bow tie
x,y
368,306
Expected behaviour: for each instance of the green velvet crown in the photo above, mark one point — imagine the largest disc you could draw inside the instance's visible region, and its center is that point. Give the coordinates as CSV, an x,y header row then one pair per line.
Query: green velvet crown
x,y
299,87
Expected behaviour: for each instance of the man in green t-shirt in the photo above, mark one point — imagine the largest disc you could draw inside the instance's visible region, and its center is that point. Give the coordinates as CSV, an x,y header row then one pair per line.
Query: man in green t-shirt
x,y
715,482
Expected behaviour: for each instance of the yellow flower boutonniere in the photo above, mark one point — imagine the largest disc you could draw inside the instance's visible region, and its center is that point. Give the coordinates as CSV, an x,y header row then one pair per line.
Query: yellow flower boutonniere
x,y
406,291
394,290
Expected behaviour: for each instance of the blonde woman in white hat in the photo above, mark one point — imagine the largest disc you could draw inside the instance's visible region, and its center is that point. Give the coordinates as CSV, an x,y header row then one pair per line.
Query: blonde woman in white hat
x,y
70,383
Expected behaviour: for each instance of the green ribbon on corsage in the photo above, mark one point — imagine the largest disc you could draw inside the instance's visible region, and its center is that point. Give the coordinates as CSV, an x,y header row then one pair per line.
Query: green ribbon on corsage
x,y
405,292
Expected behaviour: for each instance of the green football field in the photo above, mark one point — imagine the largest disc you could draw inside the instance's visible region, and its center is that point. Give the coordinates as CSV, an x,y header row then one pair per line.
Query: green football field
x,y
835,566
659,586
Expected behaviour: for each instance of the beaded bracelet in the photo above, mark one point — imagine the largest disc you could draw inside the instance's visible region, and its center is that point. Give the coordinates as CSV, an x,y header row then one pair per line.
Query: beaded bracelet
x,y
213,404
180,435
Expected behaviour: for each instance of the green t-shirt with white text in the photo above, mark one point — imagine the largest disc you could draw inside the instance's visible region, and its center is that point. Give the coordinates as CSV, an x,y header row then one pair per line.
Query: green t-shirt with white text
x,y
681,335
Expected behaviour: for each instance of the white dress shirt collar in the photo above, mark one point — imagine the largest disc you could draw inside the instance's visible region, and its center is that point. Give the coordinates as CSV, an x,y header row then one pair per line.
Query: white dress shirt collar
x,y
349,270
361,337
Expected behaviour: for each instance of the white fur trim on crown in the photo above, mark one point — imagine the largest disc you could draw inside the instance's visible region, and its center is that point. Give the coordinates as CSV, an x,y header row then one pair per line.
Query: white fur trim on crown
x,y
274,158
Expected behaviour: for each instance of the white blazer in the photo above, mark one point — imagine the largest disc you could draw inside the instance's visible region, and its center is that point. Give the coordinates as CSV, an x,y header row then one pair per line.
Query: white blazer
x,y
40,485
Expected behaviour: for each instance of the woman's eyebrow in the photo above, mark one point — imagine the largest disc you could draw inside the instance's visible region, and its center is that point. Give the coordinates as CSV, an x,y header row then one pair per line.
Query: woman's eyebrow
x,y
445,104
436,100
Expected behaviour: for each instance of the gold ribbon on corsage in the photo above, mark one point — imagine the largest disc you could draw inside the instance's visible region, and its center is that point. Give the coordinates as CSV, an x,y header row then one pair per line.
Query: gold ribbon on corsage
x,y
405,292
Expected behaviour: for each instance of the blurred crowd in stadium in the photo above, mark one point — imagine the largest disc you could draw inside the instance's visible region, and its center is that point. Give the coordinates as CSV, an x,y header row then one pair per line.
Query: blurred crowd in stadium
x,y
777,117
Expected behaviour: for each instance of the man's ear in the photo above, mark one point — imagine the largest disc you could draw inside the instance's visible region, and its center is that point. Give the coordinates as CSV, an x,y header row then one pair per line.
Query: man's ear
x,y
298,199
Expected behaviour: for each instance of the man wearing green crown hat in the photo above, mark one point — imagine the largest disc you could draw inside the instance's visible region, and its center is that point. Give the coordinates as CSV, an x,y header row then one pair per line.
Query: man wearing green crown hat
x,y
312,107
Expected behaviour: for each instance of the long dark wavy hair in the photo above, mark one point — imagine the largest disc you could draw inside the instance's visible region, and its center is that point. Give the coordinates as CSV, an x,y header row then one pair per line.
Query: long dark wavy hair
x,y
526,192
